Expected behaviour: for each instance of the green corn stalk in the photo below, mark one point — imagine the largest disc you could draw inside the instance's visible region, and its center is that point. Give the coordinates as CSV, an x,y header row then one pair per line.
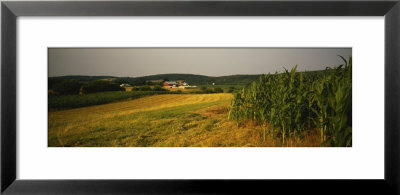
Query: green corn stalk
x,y
291,103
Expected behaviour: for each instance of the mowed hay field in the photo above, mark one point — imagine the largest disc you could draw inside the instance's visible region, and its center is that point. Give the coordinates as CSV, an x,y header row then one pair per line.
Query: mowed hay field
x,y
169,120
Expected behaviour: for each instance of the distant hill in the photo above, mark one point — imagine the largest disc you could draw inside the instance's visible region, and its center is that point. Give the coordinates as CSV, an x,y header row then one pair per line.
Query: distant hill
x,y
192,79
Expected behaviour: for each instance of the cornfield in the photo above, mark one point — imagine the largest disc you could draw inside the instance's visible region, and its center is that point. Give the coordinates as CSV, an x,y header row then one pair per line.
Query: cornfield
x,y
290,103
77,101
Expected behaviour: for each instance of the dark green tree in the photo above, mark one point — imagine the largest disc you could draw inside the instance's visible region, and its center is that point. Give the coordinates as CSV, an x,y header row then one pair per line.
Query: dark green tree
x,y
101,86
67,87
218,90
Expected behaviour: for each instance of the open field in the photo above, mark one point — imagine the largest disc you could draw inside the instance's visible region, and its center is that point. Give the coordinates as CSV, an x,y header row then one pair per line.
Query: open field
x,y
225,87
76,101
181,89
169,120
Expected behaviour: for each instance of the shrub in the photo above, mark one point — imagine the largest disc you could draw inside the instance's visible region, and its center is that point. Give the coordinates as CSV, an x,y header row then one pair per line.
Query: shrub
x,y
144,88
158,88
218,90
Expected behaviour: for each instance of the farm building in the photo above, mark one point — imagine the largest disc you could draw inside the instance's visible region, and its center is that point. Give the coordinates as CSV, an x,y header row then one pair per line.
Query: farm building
x,y
188,87
124,85
170,84
178,84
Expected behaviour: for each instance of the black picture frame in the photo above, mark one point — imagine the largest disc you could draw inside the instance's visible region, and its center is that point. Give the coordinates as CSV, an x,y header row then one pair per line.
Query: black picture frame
x,y
11,10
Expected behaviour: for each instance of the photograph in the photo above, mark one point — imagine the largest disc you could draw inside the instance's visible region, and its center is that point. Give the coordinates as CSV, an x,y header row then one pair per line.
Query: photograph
x,y
199,97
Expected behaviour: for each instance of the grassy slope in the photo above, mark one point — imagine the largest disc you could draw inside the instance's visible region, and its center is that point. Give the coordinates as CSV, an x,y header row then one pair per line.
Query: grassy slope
x,y
159,120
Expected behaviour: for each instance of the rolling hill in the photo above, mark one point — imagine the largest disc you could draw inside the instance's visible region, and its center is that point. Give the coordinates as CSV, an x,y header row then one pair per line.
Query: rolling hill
x,y
192,79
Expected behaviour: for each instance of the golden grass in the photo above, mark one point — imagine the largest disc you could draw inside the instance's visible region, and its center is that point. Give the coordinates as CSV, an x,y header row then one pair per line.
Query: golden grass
x,y
181,89
169,89
128,89
171,120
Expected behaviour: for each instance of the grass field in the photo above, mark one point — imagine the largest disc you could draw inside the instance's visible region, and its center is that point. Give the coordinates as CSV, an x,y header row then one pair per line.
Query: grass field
x,y
76,101
224,87
169,120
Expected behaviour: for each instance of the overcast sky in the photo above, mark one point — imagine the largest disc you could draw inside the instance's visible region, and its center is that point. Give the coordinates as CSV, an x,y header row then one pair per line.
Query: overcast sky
x,y
134,62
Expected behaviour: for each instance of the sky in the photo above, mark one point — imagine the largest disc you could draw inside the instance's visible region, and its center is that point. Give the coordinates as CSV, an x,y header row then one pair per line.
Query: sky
x,y
135,62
